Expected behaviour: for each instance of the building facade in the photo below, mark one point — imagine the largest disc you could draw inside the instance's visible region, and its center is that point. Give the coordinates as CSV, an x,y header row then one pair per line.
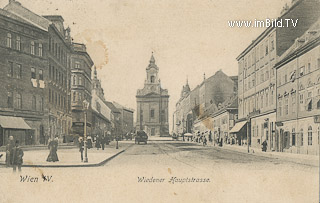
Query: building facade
x,y
298,95
153,104
81,68
36,54
257,78
102,117
126,119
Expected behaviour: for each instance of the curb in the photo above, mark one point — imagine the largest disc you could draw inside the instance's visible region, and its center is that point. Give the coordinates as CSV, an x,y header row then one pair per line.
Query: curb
x,y
75,166
267,155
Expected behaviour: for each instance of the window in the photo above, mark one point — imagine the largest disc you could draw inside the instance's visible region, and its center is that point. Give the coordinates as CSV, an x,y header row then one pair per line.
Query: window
x,y
49,95
152,113
261,51
10,100
272,45
40,49
293,137
32,48
74,97
301,137
301,102
74,80
19,71
267,98
152,79
10,69
33,73
286,106
19,101
80,80
318,104
309,135
271,98
280,107
34,103
40,74
301,71
267,48
18,43
9,40
79,96
261,106
78,65
267,75
293,102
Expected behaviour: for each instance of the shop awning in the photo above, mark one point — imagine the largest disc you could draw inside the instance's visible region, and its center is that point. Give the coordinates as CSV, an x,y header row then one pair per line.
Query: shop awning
x,y
13,123
238,127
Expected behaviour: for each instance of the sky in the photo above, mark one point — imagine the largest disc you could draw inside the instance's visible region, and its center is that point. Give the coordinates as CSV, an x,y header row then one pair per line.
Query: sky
x,y
188,38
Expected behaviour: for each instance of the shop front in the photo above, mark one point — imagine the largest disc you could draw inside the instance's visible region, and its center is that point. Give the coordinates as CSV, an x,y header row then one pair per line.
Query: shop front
x,y
16,127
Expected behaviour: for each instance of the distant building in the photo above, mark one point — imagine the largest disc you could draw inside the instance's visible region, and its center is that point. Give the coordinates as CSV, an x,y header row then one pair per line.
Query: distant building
x,y
126,119
101,116
194,108
152,104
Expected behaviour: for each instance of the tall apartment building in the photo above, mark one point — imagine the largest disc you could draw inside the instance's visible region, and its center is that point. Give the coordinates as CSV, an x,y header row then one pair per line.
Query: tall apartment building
x,y
298,95
81,68
257,78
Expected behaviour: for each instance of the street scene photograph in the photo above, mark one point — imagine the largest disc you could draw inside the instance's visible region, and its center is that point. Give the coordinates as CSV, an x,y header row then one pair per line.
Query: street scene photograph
x,y
160,101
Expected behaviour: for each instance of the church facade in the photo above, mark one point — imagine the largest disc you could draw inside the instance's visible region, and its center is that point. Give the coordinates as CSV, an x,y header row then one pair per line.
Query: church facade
x,y
152,104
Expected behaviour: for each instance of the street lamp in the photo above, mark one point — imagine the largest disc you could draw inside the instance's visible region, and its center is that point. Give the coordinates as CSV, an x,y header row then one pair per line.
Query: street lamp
x,y
85,108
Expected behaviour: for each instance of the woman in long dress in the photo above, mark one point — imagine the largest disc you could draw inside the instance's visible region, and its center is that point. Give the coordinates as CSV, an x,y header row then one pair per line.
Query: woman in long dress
x,y
53,147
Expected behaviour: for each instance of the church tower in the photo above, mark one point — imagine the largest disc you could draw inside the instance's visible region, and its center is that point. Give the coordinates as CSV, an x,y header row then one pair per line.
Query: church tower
x,y
152,104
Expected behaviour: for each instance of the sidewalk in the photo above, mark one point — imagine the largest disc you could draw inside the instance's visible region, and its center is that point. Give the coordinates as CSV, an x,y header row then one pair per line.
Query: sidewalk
x,y
71,157
311,160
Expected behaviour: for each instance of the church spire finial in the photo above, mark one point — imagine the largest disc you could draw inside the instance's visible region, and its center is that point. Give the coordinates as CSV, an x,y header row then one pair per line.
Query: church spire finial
x,y
187,79
152,60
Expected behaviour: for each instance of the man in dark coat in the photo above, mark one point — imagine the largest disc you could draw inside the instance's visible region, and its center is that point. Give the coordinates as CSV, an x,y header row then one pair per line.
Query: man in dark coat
x,y
9,148
264,146
81,147
17,157
103,141
98,142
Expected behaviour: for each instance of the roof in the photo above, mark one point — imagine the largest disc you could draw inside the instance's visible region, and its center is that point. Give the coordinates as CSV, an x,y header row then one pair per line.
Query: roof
x,y
13,16
13,123
310,37
27,15
267,30
112,107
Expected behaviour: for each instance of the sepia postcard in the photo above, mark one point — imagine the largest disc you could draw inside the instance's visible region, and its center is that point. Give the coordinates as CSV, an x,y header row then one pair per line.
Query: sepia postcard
x,y
159,101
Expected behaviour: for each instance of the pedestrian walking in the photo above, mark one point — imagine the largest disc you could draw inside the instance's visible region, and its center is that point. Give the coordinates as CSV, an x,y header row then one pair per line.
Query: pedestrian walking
x,y
264,146
98,144
89,142
9,148
17,157
102,142
53,147
205,141
81,147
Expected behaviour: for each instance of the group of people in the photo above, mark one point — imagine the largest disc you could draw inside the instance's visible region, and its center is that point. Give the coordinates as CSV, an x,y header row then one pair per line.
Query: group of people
x,y
14,154
100,142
